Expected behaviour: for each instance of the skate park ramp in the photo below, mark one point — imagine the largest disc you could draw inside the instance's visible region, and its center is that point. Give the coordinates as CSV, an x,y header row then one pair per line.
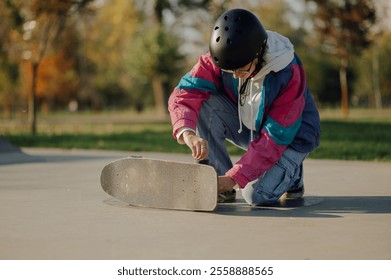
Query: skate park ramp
x,y
11,154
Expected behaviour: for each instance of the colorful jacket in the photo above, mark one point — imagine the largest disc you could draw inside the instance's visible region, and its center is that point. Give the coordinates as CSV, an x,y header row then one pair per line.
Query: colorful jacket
x,y
279,107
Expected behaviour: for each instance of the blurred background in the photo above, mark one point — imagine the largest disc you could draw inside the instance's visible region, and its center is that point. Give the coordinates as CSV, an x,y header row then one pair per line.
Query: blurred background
x,y
69,57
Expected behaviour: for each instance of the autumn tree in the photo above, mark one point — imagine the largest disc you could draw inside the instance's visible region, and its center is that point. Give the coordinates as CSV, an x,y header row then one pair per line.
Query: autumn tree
x,y
38,25
58,79
344,29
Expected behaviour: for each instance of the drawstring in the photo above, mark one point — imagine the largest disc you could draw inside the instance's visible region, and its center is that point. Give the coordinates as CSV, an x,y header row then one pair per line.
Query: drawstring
x,y
251,110
240,115
242,96
241,101
242,91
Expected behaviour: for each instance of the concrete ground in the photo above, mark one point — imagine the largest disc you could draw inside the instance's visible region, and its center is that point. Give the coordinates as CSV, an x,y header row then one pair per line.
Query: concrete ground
x,y
52,207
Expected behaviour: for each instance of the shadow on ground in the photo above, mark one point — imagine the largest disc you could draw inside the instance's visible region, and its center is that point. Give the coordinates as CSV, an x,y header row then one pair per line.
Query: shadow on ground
x,y
312,207
307,207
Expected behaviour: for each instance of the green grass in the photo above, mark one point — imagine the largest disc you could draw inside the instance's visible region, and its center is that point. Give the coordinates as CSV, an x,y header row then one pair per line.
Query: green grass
x,y
357,138
148,140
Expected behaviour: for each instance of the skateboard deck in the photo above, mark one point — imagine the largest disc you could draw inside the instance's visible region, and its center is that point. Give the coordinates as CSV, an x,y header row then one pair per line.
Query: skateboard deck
x,y
161,183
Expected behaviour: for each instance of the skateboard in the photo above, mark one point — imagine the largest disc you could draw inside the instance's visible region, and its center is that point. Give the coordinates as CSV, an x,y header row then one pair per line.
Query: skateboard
x,y
161,183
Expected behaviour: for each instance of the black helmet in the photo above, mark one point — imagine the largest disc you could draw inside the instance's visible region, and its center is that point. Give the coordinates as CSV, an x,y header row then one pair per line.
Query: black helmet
x,y
237,38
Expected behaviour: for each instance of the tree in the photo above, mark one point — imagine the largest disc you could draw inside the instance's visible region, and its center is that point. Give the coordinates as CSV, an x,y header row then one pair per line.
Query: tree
x,y
38,24
380,29
152,65
57,78
155,57
9,73
105,35
165,46
373,85
344,29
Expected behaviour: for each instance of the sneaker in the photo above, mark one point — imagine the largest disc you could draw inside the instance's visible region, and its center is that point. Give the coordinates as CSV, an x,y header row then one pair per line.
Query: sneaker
x,y
226,197
203,161
295,193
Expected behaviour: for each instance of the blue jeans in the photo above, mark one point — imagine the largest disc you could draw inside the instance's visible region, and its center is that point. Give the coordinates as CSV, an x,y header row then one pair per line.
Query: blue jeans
x,y
218,121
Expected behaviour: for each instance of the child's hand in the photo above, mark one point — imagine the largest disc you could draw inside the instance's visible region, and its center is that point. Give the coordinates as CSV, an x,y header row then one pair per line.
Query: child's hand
x,y
197,145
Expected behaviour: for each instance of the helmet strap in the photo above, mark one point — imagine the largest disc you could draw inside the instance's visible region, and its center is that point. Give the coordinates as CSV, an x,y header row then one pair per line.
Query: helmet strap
x,y
261,57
